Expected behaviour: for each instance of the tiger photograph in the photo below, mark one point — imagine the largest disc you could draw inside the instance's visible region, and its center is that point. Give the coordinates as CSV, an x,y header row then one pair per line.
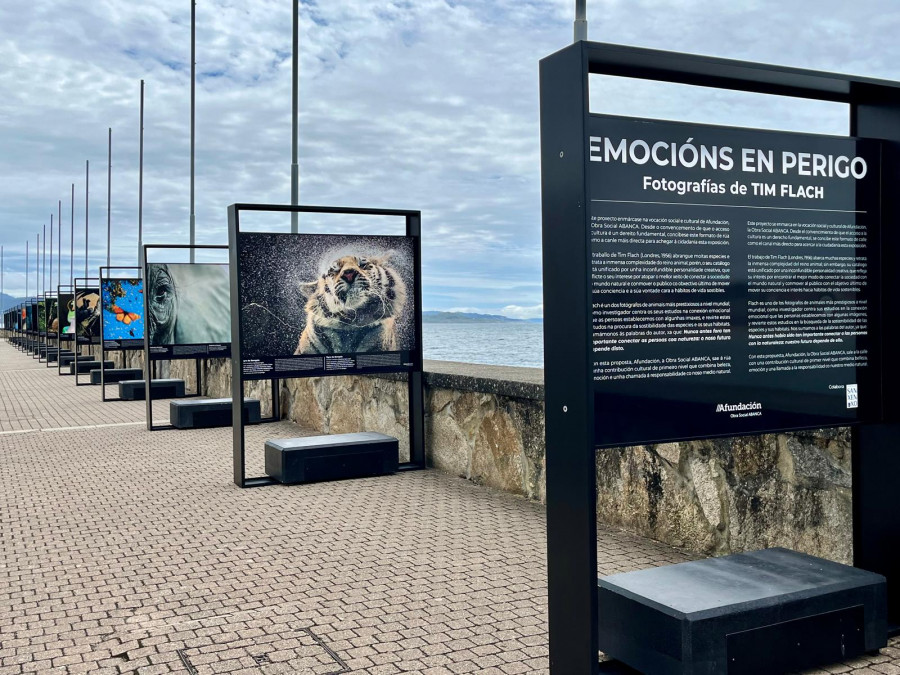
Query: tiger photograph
x,y
326,294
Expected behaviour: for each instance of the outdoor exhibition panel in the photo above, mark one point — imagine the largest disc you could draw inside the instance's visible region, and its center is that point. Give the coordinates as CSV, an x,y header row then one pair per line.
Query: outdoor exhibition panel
x,y
122,316
188,317
314,305
704,281
85,324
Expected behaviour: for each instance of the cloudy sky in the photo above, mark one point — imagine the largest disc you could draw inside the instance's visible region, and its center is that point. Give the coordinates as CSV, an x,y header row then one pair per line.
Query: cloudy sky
x,y
421,104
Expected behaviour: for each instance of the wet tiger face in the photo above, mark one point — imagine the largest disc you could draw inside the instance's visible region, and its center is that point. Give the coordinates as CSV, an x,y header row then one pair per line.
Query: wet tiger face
x,y
351,278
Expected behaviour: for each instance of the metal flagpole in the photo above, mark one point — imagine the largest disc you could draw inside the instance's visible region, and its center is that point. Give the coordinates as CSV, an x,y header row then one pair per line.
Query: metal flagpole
x,y
37,264
109,199
295,86
87,182
140,255
580,20
59,243
44,265
50,274
26,269
72,240
193,71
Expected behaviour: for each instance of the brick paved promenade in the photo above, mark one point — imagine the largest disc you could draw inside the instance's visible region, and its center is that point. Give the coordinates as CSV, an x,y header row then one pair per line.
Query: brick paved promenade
x,y
125,551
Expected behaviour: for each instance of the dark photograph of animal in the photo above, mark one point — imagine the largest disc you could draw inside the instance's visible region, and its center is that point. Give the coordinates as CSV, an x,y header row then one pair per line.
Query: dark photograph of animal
x,y
326,294
188,304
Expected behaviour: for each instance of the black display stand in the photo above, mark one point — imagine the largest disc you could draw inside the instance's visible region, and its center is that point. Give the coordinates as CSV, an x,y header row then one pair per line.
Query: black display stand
x,y
569,387
150,360
122,345
83,283
63,338
415,383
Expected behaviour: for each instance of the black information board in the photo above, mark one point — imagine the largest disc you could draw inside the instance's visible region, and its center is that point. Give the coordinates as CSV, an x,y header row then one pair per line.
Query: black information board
x,y
734,280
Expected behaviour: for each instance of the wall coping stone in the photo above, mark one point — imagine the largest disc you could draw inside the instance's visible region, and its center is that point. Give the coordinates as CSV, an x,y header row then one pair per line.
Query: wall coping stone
x,y
511,381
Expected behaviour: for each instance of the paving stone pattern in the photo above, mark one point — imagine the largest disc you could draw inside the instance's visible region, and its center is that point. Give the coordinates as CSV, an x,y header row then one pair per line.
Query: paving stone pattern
x,y
126,551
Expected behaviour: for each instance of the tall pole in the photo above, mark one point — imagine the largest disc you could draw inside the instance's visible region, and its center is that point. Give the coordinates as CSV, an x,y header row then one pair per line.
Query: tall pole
x,y
109,199
295,87
87,182
37,264
44,265
72,240
26,269
580,20
50,275
1,272
140,255
59,244
193,72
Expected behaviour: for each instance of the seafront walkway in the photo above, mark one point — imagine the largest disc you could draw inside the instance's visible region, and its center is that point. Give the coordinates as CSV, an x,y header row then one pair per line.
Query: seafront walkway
x,y
128,551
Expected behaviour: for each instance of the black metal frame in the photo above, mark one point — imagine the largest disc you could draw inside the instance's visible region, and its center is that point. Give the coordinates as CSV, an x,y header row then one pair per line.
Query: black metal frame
x,y
415,381
571,471
77,349
103,348
197,361
63,288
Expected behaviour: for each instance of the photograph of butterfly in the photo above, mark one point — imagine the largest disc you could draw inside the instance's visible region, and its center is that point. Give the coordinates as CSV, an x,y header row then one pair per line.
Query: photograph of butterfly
x,y
122,302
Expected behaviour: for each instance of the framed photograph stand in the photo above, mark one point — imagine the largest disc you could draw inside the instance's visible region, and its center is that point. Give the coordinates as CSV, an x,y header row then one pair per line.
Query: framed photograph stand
x,y
170,352
415,382
85,284
63,291
574,149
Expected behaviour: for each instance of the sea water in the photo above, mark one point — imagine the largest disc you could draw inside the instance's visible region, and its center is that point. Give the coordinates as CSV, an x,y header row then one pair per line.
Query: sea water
x,y
498,343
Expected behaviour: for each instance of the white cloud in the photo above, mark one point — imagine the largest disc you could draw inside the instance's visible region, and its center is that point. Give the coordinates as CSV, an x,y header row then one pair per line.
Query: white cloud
x,y
431,105
517,312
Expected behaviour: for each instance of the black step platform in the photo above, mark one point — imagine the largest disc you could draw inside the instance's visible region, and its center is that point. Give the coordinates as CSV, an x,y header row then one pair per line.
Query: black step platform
x,y
210,412
116,374
69,359
53,356
317,458
136,390
770,611
88,366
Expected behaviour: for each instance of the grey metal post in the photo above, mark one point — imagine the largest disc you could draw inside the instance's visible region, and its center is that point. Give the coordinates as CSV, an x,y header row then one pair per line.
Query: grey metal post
x,y
50,275
72,239
581,20
295,87
1,273
109,199
37,263
193,98
59,243
140,255
43,287
87,182
26,269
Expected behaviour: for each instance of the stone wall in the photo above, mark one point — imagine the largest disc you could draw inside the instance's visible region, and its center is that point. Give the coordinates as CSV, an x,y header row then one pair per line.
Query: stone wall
x,y
486,424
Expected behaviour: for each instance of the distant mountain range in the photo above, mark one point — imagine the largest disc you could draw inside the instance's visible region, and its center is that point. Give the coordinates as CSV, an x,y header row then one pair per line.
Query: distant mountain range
x,y
8,301
471,317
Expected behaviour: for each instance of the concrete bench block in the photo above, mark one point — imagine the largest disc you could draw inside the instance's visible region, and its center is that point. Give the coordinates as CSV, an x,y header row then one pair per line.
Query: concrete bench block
x,y
136,390
68,359
335,457
770,611
210,412
116,375
88,366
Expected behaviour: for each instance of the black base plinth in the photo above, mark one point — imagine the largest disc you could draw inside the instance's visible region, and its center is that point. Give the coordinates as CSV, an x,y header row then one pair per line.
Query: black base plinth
x,y
136,390
771,611
88,366
69,359
111,375
210,412
53,356
317,458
